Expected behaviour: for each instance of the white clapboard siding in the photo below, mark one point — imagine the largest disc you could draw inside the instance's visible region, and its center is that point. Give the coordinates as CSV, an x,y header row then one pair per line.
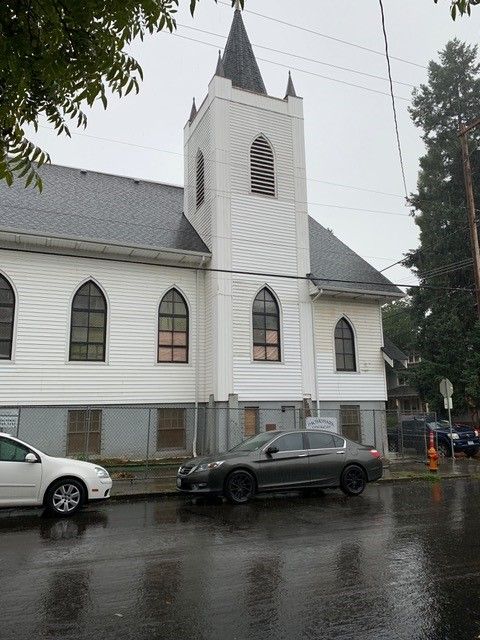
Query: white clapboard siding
x,y
368,382
266,380
40,372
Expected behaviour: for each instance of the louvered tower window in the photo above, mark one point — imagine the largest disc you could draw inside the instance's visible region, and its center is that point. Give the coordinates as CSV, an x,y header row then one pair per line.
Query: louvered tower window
x,y
200,179
262,167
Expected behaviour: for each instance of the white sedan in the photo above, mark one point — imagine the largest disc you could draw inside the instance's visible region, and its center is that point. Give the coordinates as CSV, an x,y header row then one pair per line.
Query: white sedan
x,y
30,478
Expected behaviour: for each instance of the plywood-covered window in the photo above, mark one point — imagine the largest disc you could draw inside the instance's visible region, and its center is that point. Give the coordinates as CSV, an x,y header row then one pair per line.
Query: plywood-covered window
x,y
171,428
200,179
250,421
84,432
350,422
266,327
345,346
88,329
173,328
7,315
262,167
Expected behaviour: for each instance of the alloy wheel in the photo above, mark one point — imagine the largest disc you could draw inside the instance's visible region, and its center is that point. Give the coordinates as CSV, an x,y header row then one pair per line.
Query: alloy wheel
x,y
354,480
240,486
66,498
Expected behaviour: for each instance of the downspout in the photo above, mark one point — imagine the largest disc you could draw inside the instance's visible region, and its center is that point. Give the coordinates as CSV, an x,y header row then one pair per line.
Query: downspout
x,y
315,352
197,359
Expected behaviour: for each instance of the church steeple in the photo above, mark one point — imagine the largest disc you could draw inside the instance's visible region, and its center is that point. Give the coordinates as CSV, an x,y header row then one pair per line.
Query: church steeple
x,y
193,112
290,87
239,63
220,71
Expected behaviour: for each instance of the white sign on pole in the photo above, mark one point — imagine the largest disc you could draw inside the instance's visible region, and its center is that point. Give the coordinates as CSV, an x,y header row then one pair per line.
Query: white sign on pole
x,y
448,403
446,388
326,424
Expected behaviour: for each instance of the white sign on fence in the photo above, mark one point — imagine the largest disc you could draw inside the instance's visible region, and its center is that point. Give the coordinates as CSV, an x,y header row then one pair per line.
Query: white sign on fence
x,y
9,423
327,424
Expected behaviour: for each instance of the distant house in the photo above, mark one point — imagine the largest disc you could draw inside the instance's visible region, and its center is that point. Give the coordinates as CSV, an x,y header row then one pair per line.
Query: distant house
x,y
402,397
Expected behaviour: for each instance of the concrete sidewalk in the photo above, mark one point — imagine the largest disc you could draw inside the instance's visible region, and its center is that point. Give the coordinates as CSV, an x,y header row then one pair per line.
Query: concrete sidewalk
x,y
394,472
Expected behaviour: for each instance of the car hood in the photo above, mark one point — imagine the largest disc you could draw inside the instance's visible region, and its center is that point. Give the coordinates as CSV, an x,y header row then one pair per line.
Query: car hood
x,y
78,464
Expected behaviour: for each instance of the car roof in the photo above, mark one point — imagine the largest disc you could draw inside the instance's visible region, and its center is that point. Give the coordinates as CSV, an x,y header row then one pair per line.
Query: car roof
x,y
7,435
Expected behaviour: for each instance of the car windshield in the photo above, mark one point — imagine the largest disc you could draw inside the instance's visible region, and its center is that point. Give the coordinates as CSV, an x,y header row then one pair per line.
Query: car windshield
x,y
255,443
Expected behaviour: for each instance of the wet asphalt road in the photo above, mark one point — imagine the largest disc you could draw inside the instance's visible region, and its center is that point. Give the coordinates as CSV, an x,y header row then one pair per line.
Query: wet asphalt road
x,y
400,562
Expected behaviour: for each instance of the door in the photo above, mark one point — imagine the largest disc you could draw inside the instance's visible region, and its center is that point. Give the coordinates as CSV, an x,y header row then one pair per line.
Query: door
x,y
19,480
288,467
326,458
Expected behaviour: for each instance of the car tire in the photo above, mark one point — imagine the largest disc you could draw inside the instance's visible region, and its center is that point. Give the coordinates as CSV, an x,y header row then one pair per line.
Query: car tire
x,y
65,497
239,487
353,480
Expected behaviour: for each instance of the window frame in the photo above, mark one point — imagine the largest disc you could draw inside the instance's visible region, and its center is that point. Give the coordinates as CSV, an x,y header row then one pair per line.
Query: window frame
x,y
13,307
351,407
250,167
183,411
343,354
264,315
172,317
87,421
105,313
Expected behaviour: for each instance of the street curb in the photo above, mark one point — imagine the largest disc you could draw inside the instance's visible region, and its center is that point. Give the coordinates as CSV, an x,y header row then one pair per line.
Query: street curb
x,y
169,493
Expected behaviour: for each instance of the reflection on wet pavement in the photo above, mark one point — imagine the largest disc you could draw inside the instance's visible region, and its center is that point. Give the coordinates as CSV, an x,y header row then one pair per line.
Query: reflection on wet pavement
x,y
400,562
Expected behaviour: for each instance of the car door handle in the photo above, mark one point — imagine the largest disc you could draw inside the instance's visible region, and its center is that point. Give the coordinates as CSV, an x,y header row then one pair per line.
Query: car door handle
x,y
302,455
340,453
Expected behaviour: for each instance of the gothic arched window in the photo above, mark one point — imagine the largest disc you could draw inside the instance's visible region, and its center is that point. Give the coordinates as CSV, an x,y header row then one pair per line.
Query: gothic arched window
x,y
88,329
173,328
200,179
7,316
266,327
345,346
262,167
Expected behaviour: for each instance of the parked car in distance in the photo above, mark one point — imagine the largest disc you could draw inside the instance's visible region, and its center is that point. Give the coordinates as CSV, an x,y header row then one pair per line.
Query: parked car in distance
x,y
30,478
279,461
414,434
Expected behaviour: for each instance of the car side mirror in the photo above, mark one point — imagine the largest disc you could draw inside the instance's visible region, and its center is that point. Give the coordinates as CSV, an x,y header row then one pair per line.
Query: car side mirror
x,y
31,457
271,450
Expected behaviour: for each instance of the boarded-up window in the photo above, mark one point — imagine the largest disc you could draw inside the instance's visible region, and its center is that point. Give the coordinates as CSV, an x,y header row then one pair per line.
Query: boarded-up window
x,y
7,313
350,422
250,421
173,328
262,167
171,429
84,432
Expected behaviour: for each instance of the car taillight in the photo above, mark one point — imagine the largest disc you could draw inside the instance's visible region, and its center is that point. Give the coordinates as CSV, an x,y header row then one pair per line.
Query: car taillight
x,y
375,453
476,432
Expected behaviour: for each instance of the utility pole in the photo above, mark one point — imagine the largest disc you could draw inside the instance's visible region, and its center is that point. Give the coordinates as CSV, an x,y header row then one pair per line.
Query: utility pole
x,y
472,216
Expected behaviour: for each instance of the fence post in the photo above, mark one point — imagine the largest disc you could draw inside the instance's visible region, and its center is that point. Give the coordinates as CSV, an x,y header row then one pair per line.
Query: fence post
x,y
148,443
18,420
87,432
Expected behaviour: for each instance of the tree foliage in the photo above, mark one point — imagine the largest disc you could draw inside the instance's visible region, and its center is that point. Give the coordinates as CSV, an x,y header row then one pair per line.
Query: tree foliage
x,y
399,326
57,55
461,7
444,310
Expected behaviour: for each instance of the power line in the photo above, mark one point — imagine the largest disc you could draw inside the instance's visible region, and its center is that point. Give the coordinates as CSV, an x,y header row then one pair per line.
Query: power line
x,y
324,35
291,68
296,55
394,108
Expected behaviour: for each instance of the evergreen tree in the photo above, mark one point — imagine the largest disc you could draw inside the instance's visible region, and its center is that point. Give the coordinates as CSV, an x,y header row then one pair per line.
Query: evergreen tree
x,y
446,318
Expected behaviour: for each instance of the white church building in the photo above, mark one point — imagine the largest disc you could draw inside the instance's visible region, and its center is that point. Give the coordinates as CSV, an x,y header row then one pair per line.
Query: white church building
x,y
120,295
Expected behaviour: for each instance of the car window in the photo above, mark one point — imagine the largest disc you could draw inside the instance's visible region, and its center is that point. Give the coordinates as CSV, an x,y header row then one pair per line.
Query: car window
x,y
12,451
339,442
254,443
290,442
321,441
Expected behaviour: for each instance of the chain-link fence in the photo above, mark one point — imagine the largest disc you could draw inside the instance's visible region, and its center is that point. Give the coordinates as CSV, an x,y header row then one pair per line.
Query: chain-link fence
x,y
408,435
149,441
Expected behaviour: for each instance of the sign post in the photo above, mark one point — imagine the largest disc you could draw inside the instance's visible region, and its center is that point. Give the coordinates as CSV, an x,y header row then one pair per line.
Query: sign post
x,y
446,389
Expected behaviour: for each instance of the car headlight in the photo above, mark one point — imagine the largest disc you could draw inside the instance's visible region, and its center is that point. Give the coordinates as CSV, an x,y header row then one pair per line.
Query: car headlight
x,y
208,466
101,472
454,436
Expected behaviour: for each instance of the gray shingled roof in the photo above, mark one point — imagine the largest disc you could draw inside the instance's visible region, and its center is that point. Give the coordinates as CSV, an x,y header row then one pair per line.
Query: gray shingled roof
x,y
101,208
239,63
334,266
392,351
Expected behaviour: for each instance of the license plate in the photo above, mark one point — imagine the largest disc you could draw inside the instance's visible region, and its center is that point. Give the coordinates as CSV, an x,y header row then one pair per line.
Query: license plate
x,y
471,442
179,482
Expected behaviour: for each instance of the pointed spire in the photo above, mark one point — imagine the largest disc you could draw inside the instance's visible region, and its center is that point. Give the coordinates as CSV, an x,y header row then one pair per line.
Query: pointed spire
x,y
238,6
290,88
239,62
220,71
193,112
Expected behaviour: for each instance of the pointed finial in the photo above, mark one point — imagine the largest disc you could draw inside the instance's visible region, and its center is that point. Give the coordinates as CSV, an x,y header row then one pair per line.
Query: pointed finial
x,y
220,71
193,112
290,88
238,6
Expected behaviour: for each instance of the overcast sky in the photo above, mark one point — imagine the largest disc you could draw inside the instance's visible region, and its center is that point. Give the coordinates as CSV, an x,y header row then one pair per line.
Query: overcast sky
x,y
349,131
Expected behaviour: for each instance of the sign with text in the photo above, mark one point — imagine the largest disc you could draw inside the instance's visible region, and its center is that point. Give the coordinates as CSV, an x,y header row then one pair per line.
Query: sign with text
x,y
327,424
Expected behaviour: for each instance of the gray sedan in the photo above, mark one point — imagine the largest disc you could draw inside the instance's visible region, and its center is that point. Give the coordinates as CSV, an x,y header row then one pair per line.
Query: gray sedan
x,y
279,461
